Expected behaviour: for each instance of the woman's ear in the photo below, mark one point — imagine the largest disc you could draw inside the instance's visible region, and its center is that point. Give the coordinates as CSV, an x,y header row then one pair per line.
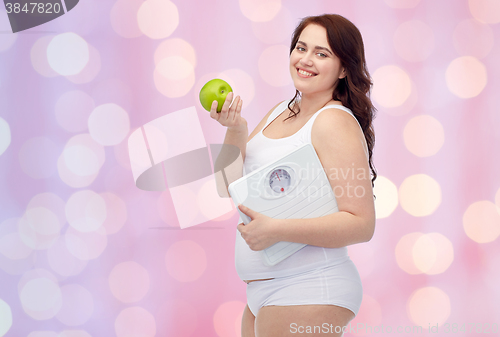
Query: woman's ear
x,y
343,73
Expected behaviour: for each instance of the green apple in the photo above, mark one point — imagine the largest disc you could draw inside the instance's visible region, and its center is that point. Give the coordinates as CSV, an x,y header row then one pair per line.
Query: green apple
x,y
214,90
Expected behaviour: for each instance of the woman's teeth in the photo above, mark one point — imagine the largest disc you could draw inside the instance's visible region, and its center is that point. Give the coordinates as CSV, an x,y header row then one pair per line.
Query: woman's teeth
x,y
303,72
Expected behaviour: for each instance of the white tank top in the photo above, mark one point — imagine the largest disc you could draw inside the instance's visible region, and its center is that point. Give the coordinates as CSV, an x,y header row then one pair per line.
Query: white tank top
x,y
260,151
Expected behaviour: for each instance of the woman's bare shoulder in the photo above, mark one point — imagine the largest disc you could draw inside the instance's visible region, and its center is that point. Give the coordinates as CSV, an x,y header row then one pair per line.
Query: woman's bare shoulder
x,y
262,122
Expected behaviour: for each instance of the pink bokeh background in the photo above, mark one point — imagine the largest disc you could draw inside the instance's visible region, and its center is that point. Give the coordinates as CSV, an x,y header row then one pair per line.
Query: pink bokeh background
x,y
84,252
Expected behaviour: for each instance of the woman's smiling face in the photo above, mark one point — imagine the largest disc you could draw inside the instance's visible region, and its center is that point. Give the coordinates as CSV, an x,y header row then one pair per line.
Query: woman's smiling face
x,y
315,69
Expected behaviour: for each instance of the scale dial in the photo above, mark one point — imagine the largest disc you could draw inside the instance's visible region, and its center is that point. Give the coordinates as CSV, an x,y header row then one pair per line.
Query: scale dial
x,y
280,180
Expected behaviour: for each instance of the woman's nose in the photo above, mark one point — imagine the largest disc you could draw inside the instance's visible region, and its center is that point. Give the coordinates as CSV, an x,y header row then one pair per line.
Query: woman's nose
x,y
306,60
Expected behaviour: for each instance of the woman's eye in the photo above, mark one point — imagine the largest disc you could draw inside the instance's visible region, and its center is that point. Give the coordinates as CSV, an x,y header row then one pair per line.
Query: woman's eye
x,y
300,49
322,55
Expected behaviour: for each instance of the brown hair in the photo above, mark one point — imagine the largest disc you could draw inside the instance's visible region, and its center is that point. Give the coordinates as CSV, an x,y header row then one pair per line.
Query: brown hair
x,y
354,89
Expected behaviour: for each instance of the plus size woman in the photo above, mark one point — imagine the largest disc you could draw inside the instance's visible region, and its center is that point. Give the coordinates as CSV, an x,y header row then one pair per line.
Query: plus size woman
x,y
317,290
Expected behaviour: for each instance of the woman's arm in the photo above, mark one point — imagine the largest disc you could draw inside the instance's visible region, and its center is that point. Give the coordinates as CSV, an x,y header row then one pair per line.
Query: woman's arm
x,y
341,148
340,145
226,167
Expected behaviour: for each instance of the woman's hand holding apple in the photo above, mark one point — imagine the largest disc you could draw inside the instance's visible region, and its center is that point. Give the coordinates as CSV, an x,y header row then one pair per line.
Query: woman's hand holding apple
x,y
230,114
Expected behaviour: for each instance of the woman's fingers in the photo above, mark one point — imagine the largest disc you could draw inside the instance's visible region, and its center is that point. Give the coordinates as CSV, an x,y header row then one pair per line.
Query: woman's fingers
x,y
230,112
213,111
227,103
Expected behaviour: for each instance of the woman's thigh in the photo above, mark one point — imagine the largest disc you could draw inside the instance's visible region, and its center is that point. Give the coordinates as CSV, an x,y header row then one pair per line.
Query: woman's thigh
x,y
302,320
247,323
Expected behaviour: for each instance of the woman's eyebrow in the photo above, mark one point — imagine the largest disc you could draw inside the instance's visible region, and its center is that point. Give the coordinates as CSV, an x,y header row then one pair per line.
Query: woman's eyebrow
x,y
317,47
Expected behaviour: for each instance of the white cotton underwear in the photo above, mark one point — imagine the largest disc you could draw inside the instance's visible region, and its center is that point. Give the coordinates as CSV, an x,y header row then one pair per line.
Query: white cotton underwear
x,y
338,285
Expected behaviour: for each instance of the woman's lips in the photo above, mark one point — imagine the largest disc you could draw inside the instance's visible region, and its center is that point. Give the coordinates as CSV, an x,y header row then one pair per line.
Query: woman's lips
x,y
304,73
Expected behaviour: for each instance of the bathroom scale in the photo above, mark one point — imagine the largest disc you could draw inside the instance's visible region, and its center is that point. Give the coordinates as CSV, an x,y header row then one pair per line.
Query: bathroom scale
x,y
294,186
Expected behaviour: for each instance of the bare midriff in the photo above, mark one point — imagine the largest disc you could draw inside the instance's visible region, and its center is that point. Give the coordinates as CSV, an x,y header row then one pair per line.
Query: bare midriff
x,y
262,279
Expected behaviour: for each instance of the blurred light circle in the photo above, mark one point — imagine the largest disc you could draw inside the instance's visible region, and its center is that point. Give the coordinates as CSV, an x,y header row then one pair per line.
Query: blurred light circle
x,y
157,19
39,59
391,86
210,204
78,305
186,261
68,53
423,135
174,68
67,175
129,282
50,201
13,247
73,109
86,246
420,195
90,71
6,40
227,318
404,253
135,321
86,211
241,82
124,18
38,157
277,30
387,197
486,11
5,317
5,136
180,311
472,38
414,41
429,305
116,212
481,221
497,199
41,298
274,65
260,10
466,77
62,261
433,253
70,178
174,76
402,3
39,228
35,274
109,124
14,263
86,140
175,47
15,255
81,160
